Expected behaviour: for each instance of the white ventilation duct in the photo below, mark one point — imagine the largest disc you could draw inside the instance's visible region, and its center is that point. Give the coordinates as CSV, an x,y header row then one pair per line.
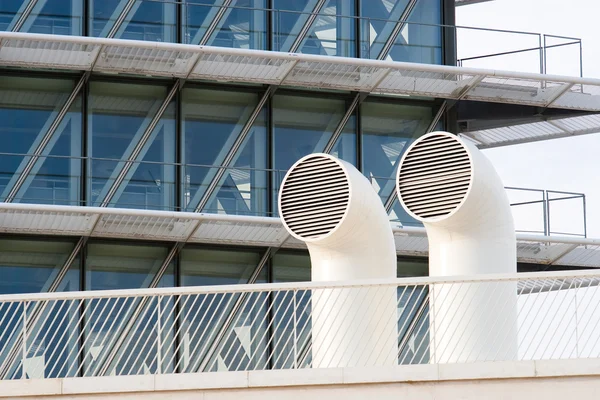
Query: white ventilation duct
x,y
328,204
453,189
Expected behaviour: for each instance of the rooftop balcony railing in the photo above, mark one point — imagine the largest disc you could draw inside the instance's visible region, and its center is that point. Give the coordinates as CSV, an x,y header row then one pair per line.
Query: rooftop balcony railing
x,y
325,33
544,316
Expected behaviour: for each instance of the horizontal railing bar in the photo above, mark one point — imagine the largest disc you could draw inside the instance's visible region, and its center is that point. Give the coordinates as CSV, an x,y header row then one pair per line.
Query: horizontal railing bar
x,y
268,287
355,62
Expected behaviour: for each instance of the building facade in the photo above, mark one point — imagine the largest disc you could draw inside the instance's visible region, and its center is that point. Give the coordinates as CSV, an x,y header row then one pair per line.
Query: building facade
x,y
166,144
142,141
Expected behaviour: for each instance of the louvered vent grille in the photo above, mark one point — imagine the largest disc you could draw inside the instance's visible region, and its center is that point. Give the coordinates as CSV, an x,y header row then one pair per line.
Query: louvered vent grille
x,y
314,197
435,176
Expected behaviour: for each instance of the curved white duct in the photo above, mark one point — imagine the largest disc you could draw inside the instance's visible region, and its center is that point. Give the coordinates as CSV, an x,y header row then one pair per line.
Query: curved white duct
x,y
453,189
328,204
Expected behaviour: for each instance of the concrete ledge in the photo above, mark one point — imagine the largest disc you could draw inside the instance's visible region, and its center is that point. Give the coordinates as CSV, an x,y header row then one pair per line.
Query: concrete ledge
x,y
340,378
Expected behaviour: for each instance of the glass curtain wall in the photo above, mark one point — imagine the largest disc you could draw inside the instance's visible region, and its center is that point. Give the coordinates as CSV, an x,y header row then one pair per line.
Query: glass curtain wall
x,y
304,124
387,131
127,266
56,17
242,24
33,266
212,122
28,108
151,20
379,29
315,27
219,336
126,151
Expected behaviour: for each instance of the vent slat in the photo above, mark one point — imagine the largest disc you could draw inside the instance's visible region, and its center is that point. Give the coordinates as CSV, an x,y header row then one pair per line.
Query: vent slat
x,y
434,164
314,197
435,176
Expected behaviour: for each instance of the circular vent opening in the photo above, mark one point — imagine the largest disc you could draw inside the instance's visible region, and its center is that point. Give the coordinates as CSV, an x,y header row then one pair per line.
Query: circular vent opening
x,y
434,176
314,197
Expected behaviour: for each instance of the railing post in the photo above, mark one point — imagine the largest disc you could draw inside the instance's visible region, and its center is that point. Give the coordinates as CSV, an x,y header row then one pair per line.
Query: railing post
x,y
584,217
158,336
294,330
23,373
542,53
546,214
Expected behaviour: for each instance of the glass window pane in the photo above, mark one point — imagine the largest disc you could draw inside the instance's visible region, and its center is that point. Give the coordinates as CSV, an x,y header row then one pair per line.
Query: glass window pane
x,y
420,36
149,20
28,107
212,122
215,344
119,116
242,24
125,266
387,131
291,267
292,324
413,310
303,125
420,41
201,267
331,32
57,17
32,266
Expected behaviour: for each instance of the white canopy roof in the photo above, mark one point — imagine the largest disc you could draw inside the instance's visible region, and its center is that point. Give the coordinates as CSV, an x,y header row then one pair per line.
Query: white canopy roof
x,y
244,230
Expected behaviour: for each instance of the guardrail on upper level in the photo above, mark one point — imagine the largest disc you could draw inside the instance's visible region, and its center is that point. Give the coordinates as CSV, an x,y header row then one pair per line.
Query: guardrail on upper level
x,y
534,316
325,32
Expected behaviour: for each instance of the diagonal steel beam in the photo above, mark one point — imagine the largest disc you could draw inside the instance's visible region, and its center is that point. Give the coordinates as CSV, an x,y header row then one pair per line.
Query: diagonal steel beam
x,y
137,150
25,15
47,138
307,25
38,310
235,309
389,203
122,16
230,157
218,20
387,47
358,99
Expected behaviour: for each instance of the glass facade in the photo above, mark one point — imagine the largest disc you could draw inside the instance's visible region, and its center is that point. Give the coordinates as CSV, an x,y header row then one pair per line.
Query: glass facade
x,y
209,148
378,29
202,147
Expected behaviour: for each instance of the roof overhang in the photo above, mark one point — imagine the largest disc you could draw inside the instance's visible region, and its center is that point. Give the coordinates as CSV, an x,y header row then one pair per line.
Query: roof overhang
x,y
458,3
185,227
552,128
129,57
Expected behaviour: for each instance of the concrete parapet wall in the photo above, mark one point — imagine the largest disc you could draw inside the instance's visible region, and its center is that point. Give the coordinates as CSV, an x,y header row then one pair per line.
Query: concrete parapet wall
x,y
551,379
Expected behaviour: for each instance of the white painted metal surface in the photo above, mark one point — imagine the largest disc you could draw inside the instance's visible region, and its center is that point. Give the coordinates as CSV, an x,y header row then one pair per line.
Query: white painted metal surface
x,y
535,131
115,56
117,223
453,189
558,317
332,207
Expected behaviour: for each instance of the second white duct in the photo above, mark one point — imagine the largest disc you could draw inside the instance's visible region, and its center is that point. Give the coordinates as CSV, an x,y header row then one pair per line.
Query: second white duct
x,y
453,189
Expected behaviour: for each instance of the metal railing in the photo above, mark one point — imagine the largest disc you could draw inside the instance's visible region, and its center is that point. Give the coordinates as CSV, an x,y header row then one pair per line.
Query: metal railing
x,y
536,216
331,34
534,316
535,211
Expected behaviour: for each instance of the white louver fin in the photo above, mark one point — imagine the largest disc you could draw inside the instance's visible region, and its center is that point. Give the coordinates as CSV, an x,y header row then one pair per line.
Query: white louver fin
x,y
435,176
314,197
